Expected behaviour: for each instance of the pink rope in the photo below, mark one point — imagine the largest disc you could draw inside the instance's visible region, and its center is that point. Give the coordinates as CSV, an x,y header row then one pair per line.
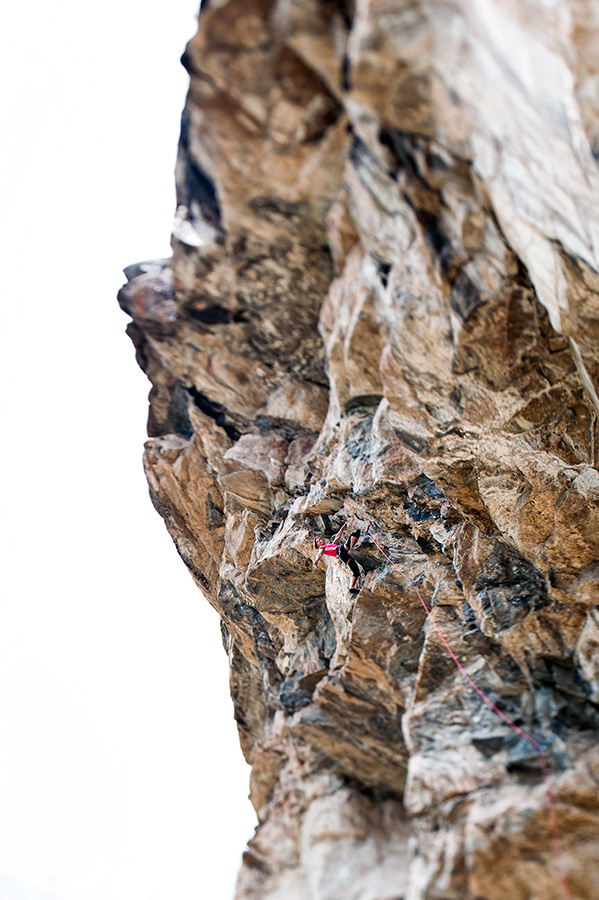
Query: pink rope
x,y
539,747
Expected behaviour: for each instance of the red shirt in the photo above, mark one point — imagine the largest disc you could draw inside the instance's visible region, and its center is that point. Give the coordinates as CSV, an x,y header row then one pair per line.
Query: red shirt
x,y
329,549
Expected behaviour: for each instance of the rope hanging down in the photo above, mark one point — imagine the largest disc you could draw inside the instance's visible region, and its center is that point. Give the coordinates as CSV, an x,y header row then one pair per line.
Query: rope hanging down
x,y
539,747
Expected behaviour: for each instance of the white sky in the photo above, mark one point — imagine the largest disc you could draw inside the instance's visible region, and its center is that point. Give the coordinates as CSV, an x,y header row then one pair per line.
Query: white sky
x,y
120,772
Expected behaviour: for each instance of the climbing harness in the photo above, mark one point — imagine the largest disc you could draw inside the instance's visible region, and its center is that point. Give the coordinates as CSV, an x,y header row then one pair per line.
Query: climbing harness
x,y
539,746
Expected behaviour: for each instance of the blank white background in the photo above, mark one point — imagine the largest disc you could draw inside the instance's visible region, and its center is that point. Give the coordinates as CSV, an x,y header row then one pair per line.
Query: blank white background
x,y
120,772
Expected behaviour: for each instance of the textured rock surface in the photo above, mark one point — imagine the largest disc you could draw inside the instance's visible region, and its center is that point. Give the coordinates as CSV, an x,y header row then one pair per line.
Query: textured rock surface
x,y
383,305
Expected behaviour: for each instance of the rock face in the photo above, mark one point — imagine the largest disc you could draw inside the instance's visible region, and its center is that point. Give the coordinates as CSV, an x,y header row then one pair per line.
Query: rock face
x,y
383,306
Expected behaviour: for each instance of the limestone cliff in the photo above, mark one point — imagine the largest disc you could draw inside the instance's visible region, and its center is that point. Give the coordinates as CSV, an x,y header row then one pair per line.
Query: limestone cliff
x,y
383,307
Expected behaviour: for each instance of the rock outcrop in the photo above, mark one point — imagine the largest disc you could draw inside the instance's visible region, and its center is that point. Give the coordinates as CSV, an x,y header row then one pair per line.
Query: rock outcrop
x,y
383,307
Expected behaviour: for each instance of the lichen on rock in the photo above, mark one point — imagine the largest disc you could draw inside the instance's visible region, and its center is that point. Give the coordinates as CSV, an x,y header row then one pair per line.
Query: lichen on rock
x,y
382,310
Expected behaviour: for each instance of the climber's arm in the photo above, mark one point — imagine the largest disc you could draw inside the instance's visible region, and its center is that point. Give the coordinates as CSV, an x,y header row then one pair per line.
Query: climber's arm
x,y
335,539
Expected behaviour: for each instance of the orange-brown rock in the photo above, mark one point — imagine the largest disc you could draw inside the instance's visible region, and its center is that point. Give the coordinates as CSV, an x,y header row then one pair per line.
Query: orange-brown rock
x,y
383,307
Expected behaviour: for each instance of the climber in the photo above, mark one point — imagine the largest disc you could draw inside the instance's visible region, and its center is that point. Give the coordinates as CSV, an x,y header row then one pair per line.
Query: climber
x,y
341,551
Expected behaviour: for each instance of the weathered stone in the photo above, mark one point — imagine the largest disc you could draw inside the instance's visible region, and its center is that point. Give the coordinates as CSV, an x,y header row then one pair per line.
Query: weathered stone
x,y
382,310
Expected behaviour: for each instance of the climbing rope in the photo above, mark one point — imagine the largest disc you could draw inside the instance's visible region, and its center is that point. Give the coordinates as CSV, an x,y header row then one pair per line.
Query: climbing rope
x,y
539,746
